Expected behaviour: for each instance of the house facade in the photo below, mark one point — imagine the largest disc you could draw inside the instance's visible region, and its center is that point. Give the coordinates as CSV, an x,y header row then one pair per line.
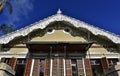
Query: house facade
x,y
60,46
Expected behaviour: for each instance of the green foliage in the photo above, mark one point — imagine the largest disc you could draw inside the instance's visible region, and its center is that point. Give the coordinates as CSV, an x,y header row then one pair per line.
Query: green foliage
x,y
6,29
2,4
6,3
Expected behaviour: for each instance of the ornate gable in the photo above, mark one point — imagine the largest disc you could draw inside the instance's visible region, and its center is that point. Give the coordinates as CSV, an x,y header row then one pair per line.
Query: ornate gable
x,y
59,17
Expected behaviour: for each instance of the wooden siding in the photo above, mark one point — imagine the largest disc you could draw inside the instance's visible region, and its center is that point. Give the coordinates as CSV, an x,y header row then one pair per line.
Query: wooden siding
x,y
80,67
68,67
47,67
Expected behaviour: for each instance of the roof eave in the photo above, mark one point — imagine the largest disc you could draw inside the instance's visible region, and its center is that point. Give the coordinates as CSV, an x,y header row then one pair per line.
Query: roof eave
x,y
58,17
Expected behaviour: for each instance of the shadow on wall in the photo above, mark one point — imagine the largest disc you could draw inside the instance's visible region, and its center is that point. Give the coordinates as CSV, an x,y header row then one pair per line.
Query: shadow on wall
x,y
114,70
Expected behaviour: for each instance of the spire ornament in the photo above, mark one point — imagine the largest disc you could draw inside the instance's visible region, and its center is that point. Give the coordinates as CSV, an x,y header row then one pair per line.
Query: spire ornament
x,y
59,11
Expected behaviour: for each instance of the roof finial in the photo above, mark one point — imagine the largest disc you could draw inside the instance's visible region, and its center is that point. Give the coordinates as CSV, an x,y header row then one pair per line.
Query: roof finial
x,y
59,11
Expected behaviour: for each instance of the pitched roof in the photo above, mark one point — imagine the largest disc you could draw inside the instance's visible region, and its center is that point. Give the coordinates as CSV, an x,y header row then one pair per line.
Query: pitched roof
x,y
58,17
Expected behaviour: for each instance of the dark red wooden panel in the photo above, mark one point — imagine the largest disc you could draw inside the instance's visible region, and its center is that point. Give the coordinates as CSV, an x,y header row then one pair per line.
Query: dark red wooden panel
x,y
47,67
28,67
88,67
13,62
105,64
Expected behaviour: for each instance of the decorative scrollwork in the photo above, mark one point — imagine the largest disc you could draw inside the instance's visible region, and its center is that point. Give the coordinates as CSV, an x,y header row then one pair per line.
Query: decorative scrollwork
x,y
58,17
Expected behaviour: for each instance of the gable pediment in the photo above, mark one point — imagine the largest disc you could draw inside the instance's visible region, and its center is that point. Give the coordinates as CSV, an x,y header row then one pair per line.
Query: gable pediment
x,y
56,18
58,35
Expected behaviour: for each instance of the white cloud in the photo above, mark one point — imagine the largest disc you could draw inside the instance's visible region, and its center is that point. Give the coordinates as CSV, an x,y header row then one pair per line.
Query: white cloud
x,y
20,8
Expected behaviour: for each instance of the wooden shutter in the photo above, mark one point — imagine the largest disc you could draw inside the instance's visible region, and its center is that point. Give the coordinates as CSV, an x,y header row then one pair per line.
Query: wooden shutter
x,y
68,67
13,62
47,67
28,67
36,68
104,63
88,67
80,67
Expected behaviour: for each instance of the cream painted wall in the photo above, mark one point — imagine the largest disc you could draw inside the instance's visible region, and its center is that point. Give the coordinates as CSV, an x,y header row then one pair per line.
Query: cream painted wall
x,y
18,50
58,35
99,49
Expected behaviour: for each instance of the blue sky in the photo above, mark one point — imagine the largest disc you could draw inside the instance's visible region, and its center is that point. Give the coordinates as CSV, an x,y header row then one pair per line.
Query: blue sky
x,y
104,14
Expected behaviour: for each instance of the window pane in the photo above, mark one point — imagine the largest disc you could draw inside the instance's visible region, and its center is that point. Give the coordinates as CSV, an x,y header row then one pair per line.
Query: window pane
x,y
74,67
42,62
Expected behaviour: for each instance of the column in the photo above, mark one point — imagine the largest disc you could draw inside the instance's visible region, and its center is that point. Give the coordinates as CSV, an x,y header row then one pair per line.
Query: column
x,y
84,66
13,62
105,64
28,67
64,62
36,68
51,62
32,65
88,67
64,66
51,65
